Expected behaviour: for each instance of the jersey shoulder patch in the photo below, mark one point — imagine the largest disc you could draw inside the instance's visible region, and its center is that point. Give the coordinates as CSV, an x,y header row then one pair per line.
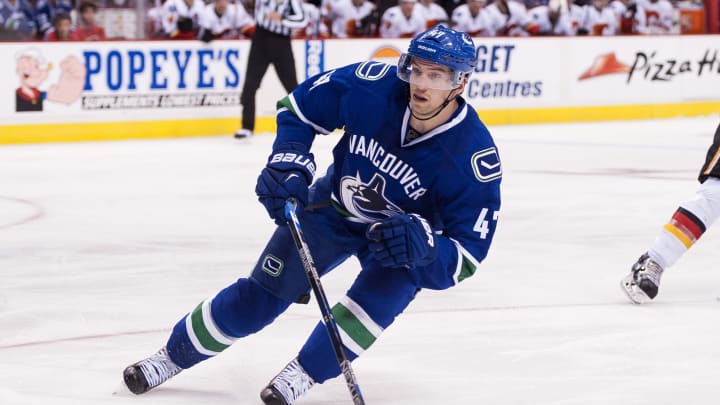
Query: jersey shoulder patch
x,y
372,70
486,165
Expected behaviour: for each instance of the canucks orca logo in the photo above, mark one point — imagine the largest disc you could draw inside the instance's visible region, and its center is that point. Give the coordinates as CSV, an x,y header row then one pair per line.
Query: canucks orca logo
x,y
366,201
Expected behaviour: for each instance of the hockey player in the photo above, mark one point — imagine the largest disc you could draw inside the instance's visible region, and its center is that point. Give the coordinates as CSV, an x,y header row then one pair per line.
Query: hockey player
x,y
659,16
600,19
471,18
180,18
432,13
631,16
347,16
413,193
223,20
402,21
571,20
686,226
507,18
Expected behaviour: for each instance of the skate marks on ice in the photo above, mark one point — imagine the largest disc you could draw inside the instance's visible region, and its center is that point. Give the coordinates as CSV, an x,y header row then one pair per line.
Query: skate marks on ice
x,y
543,322
673,175
18,211
419,313
80,338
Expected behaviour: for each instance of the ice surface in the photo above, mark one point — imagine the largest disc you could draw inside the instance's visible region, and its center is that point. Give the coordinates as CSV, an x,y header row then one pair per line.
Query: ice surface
x,y
104,246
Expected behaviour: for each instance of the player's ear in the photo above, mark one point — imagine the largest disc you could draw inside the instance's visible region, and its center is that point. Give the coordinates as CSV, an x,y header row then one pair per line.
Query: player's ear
x,y
459,90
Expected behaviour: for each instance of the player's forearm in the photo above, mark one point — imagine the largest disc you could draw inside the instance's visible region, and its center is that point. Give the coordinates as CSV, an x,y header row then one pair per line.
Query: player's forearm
x,y
295,16
291,130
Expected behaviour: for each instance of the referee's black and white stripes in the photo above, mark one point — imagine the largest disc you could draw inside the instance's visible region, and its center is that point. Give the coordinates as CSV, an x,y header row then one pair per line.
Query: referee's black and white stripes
x,y
291,11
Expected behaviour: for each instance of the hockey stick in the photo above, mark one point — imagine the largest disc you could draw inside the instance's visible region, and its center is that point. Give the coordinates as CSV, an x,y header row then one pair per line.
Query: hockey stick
x,y
329,320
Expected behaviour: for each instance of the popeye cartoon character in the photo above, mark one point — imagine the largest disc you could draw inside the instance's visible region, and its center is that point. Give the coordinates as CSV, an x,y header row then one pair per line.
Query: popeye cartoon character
x,y
32,69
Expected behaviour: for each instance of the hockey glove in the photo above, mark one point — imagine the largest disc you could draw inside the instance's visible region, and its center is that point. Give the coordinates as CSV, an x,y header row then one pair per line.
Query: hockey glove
x,y
402,241
288,173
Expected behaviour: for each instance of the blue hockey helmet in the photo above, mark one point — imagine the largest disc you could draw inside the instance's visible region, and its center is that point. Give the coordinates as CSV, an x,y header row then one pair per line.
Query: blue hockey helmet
x,y
444,46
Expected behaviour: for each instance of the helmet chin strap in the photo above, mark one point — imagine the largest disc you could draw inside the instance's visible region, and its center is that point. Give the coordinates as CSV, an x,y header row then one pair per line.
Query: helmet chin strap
x,y
439,109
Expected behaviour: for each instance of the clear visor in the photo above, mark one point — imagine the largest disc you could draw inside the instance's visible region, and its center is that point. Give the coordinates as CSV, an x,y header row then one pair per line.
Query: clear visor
x,y
426,75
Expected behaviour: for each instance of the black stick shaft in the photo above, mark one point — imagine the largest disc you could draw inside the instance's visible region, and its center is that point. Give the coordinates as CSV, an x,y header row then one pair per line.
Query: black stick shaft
x,y
328,319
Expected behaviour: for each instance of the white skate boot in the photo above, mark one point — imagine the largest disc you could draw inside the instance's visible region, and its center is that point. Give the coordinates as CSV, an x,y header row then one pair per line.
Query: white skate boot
x,y
290,384
642,284
147,374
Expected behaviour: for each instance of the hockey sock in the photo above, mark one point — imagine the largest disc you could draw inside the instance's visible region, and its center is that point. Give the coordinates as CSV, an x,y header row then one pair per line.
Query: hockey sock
x,y
688,224
241,309
357,331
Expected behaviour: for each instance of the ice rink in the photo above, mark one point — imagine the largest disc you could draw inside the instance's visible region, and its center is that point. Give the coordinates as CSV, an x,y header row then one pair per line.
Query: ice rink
x,y
104,246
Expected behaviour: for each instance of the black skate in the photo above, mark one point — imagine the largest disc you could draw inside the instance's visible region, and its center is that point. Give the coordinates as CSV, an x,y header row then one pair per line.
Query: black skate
x,y
290,384
147,374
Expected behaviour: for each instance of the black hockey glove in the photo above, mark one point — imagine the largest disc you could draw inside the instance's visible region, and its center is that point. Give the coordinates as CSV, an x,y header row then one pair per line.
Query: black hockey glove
x,y
206,35
402,241
288,173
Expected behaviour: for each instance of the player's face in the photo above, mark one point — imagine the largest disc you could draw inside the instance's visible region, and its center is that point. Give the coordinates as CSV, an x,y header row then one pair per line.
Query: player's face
x,y
221,5
407,7
430,75
63,28
430,85
475,5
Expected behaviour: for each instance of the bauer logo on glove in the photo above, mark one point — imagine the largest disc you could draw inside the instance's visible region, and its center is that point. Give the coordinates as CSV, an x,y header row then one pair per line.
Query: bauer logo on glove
x,y
298,159
402,241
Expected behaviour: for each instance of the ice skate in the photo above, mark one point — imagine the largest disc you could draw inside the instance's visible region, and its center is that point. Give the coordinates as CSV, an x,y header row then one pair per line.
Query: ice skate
x,y
642,284
243,133
290,384
147,374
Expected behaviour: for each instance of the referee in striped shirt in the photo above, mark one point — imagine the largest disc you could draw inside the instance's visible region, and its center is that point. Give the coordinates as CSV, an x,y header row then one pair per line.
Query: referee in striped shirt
x,y
274,23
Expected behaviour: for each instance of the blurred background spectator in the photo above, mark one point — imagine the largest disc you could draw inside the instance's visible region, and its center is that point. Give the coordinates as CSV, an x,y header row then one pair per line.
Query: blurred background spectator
x,y
507,18
402,21
45,13
541,17
600,19
179,18
61,29
432,13
17,20
87,28
349,18
231,19
659,16
223,20
631,17
471,18
316,27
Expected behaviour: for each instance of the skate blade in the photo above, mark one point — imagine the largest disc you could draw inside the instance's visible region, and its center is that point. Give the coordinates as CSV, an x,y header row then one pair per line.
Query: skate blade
x,y
634,294
121,390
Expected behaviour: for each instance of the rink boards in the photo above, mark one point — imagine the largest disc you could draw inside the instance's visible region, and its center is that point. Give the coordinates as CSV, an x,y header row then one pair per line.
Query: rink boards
x,y
155,89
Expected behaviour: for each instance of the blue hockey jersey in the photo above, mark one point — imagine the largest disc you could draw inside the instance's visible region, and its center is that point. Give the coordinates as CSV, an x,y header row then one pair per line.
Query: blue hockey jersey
x,y
450,175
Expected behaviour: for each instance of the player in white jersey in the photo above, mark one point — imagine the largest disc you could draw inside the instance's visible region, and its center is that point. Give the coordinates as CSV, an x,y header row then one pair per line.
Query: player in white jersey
x,y
432,13
401,21
346,16
507,18
316,26
600,19
220,19
541,17
631,17
180,17
153,20
471,18
571,20
659,14
686,226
